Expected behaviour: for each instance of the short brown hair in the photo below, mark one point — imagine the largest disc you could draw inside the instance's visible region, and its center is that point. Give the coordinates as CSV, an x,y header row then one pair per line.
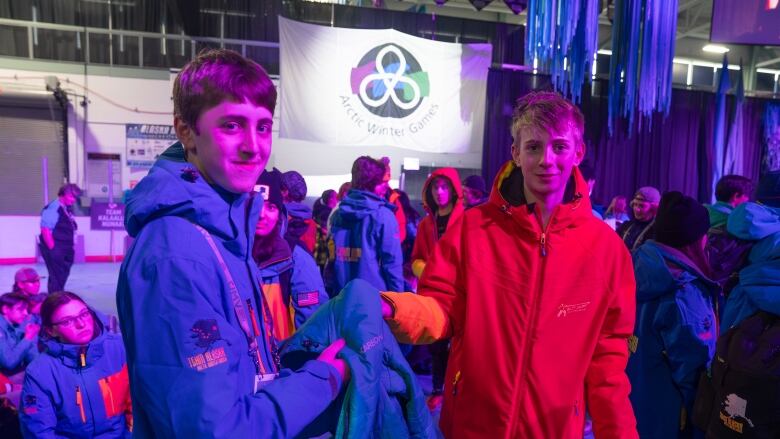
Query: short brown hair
x,y
216,75
367,173
547,110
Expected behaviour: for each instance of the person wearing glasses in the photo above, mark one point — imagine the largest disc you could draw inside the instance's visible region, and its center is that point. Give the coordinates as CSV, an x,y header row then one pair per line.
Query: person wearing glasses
x,y
639,229
79,386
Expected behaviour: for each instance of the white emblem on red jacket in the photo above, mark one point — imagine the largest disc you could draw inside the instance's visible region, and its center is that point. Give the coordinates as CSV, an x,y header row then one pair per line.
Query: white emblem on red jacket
x,y
564,310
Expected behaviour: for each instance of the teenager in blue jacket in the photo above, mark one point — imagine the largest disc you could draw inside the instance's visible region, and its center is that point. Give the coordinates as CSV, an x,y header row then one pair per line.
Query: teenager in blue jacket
x,y
200,349
18,335
675,334
78,387
759,282
364,237
292,283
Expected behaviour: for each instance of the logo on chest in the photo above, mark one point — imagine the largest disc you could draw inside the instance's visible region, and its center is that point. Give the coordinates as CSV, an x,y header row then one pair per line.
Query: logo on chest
x,y
564,310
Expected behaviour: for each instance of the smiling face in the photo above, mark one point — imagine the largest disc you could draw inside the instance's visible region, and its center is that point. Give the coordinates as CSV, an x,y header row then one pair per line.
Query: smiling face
x,y
546,158
231,144
72,323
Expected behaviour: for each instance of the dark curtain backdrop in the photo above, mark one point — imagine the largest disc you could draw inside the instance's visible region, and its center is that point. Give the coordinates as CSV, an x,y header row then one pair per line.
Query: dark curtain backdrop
x,y
670,153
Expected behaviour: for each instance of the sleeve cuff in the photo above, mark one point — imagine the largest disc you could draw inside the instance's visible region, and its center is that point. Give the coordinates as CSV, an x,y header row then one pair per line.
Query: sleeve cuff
x,y
327,372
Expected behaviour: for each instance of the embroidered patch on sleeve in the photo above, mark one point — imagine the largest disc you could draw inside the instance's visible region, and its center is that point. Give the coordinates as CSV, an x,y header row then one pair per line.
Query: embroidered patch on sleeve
x,y
308,299
207,360
205,333
30,404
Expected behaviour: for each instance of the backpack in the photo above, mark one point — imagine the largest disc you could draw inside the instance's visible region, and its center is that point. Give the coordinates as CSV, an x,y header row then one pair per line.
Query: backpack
x,y
742,397
727,255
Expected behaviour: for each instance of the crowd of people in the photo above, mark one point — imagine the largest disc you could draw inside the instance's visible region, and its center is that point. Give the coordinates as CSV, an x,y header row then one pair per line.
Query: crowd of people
x,y
536,312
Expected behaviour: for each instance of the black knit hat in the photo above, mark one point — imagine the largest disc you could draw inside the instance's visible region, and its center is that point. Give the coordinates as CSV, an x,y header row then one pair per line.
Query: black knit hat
x,y
681,220
270,185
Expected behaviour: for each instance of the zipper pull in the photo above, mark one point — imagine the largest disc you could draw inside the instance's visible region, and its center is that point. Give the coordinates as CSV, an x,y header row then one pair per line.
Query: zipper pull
x,y
455,383
83,357
543,244
80,403
253,316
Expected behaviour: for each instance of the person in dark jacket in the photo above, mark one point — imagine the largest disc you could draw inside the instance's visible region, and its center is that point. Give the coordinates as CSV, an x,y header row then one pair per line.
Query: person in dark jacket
x,y
200,350
676,329
474,191
727,253
292,284
640,228
58,227
78,388
364,240
301,227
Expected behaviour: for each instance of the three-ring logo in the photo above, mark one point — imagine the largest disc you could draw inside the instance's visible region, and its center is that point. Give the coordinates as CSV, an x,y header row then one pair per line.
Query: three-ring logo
x,y
389,81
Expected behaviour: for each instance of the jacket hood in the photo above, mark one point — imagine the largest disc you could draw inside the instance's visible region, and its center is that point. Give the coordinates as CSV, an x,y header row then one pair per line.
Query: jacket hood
x,y
507,194
174,187
719,213
659,269
452,175
70,354
298,210
359,204
753,221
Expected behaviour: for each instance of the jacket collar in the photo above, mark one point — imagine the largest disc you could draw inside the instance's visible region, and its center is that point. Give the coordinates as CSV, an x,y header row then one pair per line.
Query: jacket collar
x,y
507,194
78,356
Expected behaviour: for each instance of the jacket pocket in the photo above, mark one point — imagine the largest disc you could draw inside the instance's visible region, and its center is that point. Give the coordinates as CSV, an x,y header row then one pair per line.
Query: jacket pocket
x,y
115,390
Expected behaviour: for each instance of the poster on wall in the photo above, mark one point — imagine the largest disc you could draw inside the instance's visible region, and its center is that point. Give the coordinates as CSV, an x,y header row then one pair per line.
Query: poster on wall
x,y
367,87
107,216
145,142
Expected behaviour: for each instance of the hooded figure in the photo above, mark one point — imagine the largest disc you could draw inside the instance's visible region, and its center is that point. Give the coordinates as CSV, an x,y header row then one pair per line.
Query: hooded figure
x,y
676,330
292,285
436,221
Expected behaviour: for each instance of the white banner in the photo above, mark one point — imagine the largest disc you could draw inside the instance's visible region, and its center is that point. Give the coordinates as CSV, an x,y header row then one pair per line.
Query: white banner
x,y
359,87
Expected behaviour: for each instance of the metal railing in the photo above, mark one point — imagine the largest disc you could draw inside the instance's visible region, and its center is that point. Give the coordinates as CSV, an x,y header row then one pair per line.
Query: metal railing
x,y
32,28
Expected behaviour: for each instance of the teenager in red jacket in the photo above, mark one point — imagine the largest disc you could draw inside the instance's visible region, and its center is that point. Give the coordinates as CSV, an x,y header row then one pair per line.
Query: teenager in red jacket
x,y
537,294
442,199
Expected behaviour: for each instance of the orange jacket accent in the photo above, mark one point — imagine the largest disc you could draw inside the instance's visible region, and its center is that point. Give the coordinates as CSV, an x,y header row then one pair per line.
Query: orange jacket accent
x,y
283,321
115,390
309,237
426,231
400,215
534,337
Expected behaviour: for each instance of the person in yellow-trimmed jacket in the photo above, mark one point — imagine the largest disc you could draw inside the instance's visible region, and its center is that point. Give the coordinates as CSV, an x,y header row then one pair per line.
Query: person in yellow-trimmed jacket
x,y
292,285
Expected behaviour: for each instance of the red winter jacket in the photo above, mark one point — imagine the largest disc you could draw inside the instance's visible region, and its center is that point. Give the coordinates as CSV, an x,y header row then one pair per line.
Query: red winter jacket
x,y
426,230
539,320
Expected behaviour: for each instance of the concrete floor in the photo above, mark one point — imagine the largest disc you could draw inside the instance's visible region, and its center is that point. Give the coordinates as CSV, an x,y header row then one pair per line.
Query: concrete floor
x,y
94,282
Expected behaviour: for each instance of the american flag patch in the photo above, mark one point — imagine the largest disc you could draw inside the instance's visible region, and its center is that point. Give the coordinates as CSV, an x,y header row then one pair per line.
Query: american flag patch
x,y
308,299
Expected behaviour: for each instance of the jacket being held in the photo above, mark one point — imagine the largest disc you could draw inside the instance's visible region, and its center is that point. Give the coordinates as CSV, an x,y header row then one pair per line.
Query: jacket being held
x,y
364,242
674,339
539,318
191,373
427,235
383,399
78,391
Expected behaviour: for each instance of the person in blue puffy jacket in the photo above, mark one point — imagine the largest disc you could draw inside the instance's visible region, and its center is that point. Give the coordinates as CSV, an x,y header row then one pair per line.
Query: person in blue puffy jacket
x,y
676,330
201,355
758,288
292,284
364,238
78,388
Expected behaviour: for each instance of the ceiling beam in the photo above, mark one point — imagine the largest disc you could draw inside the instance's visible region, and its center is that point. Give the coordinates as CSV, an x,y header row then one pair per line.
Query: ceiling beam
x,y
694,31
768,62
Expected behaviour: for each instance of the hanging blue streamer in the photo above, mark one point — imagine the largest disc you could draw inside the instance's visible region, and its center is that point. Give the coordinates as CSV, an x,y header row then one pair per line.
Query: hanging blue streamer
x,y
640,78
719,136
562,37
772,137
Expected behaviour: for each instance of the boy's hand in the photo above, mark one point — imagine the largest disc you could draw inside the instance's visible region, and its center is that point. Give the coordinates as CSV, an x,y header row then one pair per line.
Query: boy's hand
x,y
387,310
329,356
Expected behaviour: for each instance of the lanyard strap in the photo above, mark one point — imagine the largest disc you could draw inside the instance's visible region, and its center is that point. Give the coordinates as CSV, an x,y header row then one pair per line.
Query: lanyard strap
x,y
238,307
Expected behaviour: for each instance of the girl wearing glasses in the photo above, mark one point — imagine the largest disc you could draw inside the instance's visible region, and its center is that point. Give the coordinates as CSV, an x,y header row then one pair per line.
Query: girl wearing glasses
x,y
79,386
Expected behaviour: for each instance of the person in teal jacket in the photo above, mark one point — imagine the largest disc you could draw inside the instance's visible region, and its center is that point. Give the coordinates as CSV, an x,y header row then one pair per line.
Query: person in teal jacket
x,y
78,388
201,353
18,334
676,330
292,283
759,282
364,237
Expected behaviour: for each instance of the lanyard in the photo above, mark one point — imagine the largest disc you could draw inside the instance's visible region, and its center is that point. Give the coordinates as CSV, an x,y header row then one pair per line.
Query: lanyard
x,y
238,307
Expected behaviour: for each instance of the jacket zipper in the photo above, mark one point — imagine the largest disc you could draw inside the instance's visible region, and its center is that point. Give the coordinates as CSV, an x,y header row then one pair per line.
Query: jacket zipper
x,y
80,403
110,395
455,383
520,387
